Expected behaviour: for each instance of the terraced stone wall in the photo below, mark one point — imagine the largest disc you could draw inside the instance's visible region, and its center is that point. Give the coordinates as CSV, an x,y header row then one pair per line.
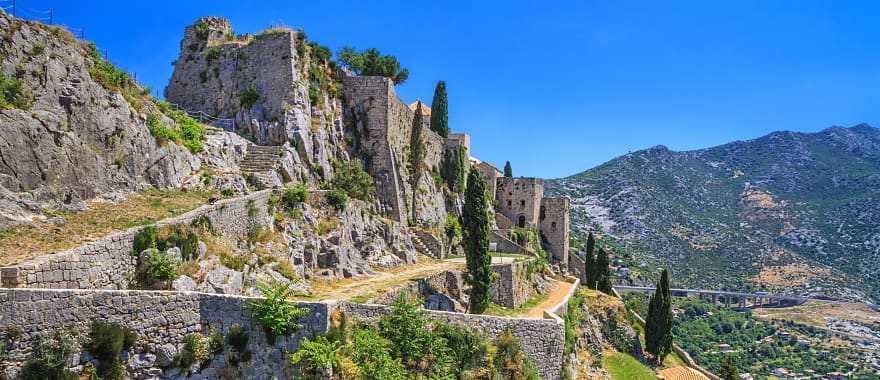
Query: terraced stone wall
x,y
108,263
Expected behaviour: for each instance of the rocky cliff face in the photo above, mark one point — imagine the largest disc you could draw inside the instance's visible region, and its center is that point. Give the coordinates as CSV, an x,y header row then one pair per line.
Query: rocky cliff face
x,y
77,140
787,212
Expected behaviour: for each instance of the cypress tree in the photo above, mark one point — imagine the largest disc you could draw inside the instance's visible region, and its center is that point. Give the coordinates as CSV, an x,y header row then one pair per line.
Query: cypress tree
x,y
590,263
476,242
452,169
728,370
439,110
416,155
508,171
603,272
658,324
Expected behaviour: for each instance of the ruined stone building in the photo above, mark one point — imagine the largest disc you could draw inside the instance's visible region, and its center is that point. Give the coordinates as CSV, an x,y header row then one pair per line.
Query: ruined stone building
x,y
520,203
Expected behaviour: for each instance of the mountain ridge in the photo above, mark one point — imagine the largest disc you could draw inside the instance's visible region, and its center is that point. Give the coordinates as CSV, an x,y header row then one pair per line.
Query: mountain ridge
x,y
787,211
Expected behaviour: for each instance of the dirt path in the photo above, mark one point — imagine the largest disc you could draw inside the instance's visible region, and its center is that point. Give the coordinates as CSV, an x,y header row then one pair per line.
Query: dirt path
x,y
556,296
380,282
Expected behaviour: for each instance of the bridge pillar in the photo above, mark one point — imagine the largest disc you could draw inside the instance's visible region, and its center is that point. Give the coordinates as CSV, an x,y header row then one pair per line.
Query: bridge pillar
x,y
714,299
742,303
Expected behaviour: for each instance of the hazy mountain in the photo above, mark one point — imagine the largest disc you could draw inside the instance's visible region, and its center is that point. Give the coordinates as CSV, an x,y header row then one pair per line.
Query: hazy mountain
x,y
799,211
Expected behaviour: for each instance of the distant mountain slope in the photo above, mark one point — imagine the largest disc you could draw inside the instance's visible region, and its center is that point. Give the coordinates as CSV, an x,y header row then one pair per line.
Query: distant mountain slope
x,y
792,211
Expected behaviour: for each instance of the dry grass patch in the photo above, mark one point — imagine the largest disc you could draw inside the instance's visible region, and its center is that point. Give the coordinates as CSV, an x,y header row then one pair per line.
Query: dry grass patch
x,y
24,242
814,313
379,283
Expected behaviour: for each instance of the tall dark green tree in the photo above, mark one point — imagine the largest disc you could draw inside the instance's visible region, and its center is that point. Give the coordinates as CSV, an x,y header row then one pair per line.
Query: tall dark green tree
x,y
728,370
416,155
603,272
508,171
475,218
440,111
452,168
658,324
590,263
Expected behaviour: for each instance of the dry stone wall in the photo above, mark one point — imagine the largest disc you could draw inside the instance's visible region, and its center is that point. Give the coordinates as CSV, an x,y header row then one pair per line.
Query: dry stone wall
x,y
161,321
542,340
515,284
109,264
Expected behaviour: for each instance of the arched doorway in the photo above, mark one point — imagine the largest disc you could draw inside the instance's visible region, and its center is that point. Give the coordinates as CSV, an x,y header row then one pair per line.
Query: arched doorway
x,y
521,221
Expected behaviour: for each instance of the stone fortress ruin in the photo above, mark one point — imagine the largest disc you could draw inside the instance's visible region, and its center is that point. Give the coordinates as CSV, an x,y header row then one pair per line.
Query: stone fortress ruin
x,y
285,122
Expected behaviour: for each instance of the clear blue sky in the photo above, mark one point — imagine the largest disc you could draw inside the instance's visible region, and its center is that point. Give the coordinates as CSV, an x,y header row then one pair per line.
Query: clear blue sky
x,y
559,87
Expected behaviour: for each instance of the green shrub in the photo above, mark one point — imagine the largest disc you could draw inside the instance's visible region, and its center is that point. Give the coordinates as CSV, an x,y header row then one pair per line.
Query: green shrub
x,y
144,239
510,360
106,342
468,348
195,350
12,94
182,237
316,355
49,357
372,354
413,343
215,343
212,55
249,97
107,75
295,195
188,133
227,192
202,31
277,316
161,266
353,179
232,261
338,199
237,337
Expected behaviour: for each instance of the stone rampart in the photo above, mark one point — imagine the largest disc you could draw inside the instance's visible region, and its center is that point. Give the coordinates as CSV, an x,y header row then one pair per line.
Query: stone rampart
x,y
109,264
382,128
514,284
555,225
542,340
576,266
160,319
520,200
505,245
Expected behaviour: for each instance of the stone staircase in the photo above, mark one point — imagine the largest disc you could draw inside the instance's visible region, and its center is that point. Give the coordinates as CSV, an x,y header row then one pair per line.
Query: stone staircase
x,y
260,164
427,244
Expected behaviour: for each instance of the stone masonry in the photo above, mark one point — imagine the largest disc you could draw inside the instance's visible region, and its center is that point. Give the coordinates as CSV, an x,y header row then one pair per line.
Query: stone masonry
x,y
555,227
382,127
109,264
160,319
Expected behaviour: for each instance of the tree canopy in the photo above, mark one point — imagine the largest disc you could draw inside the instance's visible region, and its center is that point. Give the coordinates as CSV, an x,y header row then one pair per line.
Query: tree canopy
x,y
371,62
475,218
440,111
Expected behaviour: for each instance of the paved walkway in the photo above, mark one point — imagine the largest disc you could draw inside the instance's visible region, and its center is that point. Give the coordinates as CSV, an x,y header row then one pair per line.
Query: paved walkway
x,y
559,292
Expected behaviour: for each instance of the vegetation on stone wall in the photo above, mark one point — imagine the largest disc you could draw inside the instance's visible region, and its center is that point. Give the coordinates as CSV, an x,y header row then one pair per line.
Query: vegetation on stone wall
x,y
338,199
49,358
294,196
350,177
186,132
440,111
248,97
107,340
12,95
405,345
277,315
371,62
476,242
416,155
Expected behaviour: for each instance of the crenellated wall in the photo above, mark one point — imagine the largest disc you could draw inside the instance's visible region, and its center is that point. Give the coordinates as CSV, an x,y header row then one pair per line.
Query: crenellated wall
x,y
109,264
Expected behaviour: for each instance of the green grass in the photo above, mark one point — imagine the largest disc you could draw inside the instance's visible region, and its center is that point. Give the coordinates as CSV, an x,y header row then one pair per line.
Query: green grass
x,y
622,366
498,310
516,257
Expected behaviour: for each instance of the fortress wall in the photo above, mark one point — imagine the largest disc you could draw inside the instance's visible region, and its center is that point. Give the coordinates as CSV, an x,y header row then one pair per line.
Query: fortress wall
x,y
513,287
555,228
490,175
160,319
542,340
382,126
266,62
109,264
520,197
